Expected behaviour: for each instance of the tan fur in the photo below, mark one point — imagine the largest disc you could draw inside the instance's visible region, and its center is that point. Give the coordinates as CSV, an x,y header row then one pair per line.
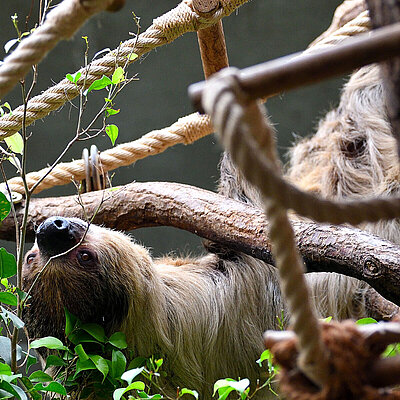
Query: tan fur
x,y
206,316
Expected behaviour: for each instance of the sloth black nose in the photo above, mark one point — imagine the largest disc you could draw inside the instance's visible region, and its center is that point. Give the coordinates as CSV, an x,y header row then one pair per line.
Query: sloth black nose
x,y
57,234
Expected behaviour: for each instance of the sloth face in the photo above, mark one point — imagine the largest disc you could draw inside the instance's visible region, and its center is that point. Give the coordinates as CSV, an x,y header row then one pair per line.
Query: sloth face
x,y
89,270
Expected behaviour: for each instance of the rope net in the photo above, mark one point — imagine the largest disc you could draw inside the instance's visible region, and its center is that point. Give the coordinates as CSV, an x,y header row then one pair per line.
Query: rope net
x,y
165,29
186,130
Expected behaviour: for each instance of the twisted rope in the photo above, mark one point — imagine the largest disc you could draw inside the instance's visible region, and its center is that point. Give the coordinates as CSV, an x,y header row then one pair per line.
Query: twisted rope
x,y
164,29
360,24
186,130
236,120
61,23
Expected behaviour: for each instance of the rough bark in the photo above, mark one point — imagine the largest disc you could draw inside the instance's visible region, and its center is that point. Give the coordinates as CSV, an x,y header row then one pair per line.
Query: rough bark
x,y
240,227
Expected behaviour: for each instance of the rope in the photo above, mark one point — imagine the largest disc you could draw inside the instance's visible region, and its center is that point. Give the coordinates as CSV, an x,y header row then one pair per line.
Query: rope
x,y
164,29
360,24
235,120
61,23
351,361
186,130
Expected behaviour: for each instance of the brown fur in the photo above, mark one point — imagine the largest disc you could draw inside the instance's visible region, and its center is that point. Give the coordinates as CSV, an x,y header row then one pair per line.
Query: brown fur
x,y
206,316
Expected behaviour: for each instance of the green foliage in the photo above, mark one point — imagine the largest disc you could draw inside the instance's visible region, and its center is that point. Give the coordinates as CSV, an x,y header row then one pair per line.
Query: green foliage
x,y
366,321
8,265
112,132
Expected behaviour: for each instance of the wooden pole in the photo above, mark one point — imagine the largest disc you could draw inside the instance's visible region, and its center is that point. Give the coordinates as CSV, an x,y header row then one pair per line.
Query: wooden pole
x,y
296,70
211,40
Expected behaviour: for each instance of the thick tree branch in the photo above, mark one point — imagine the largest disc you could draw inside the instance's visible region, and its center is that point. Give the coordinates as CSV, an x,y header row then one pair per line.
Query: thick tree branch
x,y
240,227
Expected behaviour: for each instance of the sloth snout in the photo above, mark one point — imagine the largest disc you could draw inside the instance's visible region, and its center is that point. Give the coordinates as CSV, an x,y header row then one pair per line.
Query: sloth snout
x,y
57,234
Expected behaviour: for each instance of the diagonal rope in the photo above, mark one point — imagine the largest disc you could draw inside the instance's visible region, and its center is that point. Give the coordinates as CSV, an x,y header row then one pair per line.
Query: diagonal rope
x,y
186,130
165,29
61,23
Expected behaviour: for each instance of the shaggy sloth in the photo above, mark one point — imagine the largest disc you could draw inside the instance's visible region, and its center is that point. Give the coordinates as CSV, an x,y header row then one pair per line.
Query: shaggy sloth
x,y
206,316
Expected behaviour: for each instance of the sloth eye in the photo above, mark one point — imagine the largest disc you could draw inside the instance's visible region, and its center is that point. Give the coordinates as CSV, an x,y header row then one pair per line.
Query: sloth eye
x,y
84,257
30,257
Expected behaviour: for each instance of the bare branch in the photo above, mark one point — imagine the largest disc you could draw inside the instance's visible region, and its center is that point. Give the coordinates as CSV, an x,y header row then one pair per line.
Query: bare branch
x,y
325,248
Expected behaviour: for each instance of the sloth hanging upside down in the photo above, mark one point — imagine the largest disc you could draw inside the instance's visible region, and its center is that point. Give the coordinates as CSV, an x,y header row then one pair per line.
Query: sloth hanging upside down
x,y
206,315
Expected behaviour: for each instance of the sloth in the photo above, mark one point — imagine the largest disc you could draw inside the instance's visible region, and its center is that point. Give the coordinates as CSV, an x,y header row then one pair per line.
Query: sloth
x,y
206,315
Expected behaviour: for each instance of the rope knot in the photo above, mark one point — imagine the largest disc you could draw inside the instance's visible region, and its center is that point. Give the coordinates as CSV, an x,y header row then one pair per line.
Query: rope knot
x,y
349,361
178,21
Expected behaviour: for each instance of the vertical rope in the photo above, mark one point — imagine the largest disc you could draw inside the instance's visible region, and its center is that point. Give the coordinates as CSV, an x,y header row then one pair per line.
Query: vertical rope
x,y
235,120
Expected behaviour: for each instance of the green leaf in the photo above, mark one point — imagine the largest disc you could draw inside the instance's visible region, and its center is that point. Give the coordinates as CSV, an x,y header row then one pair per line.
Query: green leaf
x,y
130,375
239,386
79,336
5,369
133,386
101,364
112,132
5,207
132,57
81,352
99,84
40,376
74,77
7,315
111,111
71,322
54,387
118,76
144,395
31,361
8,265
96,331
118,364
84,366
22,295
13,389
32,392
118,339
366,321
56,361
137,362
8,298
49,342
265,355
327,319
15,143
188,391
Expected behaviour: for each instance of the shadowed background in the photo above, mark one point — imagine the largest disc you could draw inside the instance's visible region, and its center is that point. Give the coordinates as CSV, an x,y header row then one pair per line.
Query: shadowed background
x,y
259,31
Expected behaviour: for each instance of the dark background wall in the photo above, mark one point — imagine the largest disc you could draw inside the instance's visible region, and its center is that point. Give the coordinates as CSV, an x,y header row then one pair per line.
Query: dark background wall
x,y
258,31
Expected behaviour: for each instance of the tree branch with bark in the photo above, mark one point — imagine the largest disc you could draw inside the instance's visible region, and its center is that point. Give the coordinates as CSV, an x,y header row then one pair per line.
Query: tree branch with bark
x,y
229,224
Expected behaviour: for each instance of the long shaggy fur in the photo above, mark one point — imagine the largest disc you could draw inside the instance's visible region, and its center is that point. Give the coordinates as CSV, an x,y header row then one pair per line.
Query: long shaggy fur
x,y
206,316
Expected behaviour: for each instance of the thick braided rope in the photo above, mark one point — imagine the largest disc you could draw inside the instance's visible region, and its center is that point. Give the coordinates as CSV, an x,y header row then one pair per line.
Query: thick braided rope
x,y
186,130
360,24
164,29
235,120
61,23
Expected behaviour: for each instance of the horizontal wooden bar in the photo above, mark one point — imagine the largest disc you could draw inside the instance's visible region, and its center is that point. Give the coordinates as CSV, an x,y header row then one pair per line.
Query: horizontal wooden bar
x,y
297,70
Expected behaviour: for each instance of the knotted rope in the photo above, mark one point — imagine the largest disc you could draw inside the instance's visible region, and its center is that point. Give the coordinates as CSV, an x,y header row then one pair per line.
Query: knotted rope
x,y
244,131
350,361
61,23
186,130
164,29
